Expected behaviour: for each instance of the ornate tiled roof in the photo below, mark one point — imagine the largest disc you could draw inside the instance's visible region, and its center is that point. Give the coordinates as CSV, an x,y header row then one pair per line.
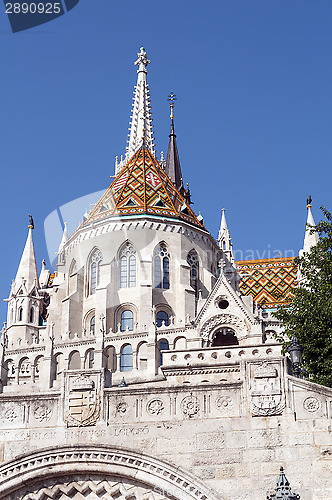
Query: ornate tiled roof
x,y
271,282
142,187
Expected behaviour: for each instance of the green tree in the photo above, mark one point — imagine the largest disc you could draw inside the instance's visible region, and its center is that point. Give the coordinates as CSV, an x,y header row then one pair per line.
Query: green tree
x,y
309,315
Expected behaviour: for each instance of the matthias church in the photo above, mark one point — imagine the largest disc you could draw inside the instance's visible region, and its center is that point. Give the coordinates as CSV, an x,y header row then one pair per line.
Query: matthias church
x,y
145,367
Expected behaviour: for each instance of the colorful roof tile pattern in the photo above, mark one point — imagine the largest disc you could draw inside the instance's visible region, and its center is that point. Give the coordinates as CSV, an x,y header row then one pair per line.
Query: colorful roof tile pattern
x,y
271,282
142,187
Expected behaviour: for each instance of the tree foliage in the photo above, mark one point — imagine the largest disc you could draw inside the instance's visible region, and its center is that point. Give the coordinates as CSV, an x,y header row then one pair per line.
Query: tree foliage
x,y
309,315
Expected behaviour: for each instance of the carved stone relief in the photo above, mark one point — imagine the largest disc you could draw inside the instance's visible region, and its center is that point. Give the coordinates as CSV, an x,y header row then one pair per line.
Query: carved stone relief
x,y
82,399
155,407
101,489
311,404
224,404
42,413
190,406
266,393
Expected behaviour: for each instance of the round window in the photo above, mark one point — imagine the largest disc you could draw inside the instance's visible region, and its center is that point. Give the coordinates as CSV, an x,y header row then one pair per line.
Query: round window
x,y
223,304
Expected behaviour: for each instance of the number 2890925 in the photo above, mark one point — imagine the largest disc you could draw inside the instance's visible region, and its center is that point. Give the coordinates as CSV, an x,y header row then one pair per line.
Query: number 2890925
x,y
33,8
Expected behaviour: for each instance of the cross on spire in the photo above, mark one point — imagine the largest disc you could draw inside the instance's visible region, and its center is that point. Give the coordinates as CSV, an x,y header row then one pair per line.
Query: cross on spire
x,y
171,98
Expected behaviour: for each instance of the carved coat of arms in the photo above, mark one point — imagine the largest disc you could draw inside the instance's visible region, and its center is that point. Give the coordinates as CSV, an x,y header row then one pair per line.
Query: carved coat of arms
x,y
266,393
82,401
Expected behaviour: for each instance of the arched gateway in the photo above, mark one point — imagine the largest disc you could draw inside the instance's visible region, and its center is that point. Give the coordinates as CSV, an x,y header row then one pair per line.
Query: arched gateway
x,y
97,472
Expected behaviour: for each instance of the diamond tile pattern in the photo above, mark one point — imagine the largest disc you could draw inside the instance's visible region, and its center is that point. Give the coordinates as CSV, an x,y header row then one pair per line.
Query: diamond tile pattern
x,y
271,282
142,187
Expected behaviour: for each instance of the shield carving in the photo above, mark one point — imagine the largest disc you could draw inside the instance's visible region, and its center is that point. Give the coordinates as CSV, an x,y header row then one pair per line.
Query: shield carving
x,y
83,403
267,396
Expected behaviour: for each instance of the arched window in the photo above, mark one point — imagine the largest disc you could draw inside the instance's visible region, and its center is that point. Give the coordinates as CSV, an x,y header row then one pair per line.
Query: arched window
x,y
89,359
20,314
111,358
180,344
127,321
38,361
163,346
31,315
59,365
74,361
92,325
126,359
128,266
161,267
73,267
192,260
94,270
224,336
162,319
142,356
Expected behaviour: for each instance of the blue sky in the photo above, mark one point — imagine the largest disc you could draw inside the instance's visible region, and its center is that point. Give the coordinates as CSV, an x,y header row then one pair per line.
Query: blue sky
x,y
253,116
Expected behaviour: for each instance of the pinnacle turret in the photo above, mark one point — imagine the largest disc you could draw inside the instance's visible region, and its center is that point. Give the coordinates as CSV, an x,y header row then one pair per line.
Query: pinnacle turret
x,y
64,238
141,119
310,239
27,269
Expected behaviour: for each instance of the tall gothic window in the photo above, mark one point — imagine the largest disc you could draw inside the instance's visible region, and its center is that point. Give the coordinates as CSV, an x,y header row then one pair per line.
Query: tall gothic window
x,y
128,266
161,267
92,325
127,321
94,269
192,260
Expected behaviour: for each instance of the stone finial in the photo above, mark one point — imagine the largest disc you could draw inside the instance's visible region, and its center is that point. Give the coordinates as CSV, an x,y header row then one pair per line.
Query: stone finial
x,y
142,60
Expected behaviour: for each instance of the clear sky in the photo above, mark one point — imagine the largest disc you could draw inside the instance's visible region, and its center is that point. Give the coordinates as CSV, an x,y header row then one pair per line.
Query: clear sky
x,y
253,116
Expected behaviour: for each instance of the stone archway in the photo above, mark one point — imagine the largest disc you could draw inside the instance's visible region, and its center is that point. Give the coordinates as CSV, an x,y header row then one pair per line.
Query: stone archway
x,y
92,472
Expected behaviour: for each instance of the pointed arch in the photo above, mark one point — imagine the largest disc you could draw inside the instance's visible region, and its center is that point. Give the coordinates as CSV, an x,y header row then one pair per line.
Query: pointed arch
x,y
161,265
72,267
127,258
93,270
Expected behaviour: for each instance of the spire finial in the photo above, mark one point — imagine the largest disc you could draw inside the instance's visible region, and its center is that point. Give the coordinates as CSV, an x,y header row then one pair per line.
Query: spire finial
x,y
309,200
171,99
31,223
142,60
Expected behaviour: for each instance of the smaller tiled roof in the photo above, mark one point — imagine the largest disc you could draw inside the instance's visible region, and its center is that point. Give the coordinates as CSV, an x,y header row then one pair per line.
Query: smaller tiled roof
x,y
271,282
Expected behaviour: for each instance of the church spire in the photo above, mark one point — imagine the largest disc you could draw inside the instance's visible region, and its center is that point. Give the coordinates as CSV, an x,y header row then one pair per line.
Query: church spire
x,y
224,239
310,239
27,268
173,168
141,119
